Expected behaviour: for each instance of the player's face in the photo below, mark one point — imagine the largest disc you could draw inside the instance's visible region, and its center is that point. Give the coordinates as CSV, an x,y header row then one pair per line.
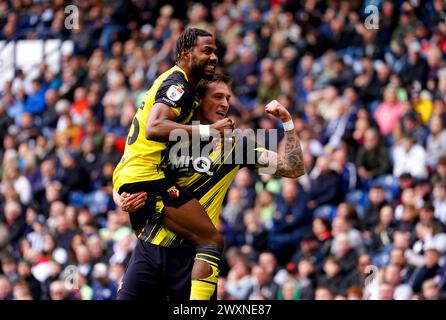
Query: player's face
x,y
204,58
215,103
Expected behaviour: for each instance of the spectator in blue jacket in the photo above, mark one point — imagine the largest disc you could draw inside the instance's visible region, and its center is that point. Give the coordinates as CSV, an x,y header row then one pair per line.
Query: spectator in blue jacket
x,y
431,269
35,103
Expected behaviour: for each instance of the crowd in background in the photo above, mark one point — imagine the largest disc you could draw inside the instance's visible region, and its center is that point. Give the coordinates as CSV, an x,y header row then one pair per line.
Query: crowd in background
x,y
369,106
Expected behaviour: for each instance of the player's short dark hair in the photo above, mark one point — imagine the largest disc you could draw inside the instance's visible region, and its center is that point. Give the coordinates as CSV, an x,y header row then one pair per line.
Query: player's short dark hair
x,y
203,84
188,39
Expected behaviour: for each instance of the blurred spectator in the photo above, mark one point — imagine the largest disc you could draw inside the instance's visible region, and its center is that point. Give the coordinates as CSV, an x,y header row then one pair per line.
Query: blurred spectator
x,y
388,112
103,288
431,270
410,158
5,289
238,281
431,291
24,271
436,141
372,159
324,188
263,286
369,107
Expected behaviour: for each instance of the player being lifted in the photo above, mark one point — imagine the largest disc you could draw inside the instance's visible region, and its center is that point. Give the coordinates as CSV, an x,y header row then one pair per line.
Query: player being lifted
x,y
171,271
168,105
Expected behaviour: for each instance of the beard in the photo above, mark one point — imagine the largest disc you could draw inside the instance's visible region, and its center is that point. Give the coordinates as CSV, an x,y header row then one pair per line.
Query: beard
x,y
198,70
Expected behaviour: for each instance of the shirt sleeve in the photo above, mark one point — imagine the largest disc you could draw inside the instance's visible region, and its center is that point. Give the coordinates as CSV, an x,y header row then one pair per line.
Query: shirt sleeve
x,y
174,92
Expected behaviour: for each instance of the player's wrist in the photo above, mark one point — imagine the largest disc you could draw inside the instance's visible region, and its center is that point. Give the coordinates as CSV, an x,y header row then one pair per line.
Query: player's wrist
x,y
288,124
204,130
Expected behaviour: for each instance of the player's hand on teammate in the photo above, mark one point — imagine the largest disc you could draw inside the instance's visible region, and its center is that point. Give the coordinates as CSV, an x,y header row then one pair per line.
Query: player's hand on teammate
x,y
132,202
222,125
277,110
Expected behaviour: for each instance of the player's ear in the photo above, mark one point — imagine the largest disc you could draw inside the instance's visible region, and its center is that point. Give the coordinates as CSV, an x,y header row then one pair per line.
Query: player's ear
x,y
186,54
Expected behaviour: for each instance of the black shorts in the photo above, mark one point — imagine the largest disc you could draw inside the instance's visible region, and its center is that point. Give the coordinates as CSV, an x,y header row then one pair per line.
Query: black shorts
x,y
160,193
156,273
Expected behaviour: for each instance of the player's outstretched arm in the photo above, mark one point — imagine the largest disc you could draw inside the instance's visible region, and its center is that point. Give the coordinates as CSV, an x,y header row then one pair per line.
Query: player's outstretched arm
x,y
289,162
161,122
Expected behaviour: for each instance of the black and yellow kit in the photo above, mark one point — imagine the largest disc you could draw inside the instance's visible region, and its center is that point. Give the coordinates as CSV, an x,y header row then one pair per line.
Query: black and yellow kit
x,y
140,167
209,187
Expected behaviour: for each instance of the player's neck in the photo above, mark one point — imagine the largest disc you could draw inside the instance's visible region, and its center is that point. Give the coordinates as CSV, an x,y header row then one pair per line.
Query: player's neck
x,y
191,79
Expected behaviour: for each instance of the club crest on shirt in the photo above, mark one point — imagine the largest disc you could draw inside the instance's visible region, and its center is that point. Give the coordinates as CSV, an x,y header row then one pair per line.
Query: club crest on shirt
x,y
174,93
173,192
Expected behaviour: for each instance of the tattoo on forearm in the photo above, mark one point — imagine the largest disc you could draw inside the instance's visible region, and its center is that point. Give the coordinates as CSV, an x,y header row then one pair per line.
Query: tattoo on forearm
x,y
287,163
291,163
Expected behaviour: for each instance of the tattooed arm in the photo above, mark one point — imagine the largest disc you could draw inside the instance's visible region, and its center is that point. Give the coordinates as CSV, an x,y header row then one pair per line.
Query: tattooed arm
x,y
289,162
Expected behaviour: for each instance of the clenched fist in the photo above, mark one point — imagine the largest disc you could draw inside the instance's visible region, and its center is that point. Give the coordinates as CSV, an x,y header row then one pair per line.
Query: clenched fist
x,y
277,110
222,125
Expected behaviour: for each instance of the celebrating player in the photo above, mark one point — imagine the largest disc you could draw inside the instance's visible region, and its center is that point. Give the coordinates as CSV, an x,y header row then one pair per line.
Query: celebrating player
x,y
162,261
168,105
